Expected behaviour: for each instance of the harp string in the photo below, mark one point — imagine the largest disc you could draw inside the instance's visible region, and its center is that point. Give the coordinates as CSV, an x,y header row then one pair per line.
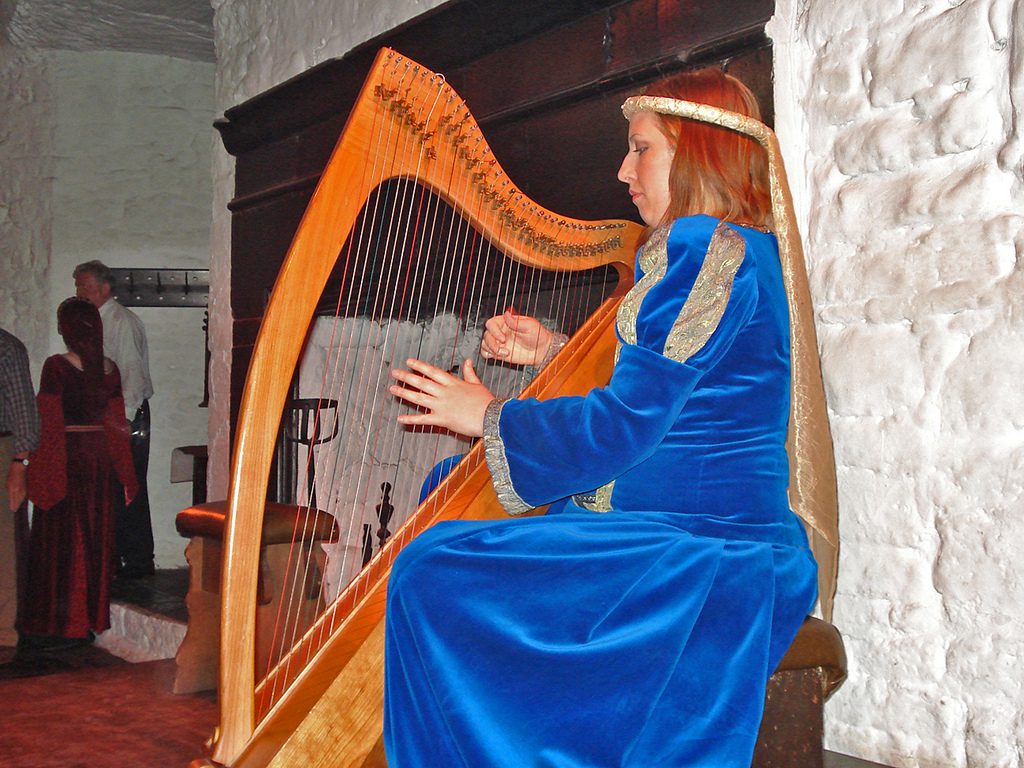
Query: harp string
x,y
397,203
419,281
300,583
387,252
449,259
354,518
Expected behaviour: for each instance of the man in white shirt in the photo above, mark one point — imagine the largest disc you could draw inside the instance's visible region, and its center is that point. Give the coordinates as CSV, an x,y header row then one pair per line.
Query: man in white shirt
x,y
124,342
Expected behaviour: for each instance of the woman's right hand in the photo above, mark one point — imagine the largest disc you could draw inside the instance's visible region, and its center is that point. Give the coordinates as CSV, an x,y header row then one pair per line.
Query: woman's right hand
x,y
514,338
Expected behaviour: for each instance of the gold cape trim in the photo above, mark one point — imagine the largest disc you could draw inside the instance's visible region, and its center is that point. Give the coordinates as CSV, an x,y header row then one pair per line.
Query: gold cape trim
x,y
812,472
497,462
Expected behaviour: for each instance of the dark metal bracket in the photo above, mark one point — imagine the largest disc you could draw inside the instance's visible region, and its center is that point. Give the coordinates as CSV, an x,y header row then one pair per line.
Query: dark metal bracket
x,y
138,287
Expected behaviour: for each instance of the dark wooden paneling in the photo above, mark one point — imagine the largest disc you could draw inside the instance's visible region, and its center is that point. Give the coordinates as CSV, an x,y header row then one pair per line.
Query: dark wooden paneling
x,y
260,235
545,80
620,48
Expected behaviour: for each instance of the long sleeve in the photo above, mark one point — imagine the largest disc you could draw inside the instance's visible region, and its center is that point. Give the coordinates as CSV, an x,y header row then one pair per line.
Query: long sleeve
x,y
119,440
47,469
694,294
18,414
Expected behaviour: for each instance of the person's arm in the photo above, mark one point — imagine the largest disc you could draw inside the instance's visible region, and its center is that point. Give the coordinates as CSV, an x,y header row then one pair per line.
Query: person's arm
x,y
16,385
17,482
688,310
119,440
517,339
47,469
687,316
130,353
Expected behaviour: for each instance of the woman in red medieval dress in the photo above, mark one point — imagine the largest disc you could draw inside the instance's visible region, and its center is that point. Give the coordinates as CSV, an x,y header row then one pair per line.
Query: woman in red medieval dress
x,y
82,462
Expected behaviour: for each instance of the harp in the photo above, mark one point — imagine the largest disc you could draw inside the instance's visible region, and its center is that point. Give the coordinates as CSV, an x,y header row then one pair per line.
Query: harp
x,y
410,146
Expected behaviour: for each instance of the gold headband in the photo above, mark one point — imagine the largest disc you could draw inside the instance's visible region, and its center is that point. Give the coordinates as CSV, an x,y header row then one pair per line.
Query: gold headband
x,y
812,472
693,110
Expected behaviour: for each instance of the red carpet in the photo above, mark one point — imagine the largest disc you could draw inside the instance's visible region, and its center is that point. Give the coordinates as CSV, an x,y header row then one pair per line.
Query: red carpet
x,y
121,715
100,711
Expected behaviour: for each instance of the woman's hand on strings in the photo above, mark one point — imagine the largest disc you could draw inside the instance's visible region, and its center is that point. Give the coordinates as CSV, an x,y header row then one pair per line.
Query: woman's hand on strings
x,y
447,401
515,338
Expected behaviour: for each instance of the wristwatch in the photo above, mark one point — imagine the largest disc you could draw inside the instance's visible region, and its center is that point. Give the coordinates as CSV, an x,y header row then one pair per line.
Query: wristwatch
x,y
23,462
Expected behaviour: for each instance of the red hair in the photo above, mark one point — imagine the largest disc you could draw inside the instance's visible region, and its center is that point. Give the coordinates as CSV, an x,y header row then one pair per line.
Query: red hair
x,y
79,324
714,170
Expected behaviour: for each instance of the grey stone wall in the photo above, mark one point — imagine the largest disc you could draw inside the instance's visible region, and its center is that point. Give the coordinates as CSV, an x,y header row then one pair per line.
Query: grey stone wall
x,y
107,155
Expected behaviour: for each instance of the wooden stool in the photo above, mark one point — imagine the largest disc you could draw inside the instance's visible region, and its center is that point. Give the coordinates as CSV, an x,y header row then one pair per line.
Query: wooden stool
x,y
793,724
203,524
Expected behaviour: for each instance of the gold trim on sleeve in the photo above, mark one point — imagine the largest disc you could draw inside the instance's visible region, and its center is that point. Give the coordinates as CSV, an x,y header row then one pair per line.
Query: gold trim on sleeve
x,y
497,461
704,307
653,260
558,341
599,500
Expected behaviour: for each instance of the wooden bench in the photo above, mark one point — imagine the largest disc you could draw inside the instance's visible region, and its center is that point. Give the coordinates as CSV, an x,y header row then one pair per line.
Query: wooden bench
x,y
793,725
203,524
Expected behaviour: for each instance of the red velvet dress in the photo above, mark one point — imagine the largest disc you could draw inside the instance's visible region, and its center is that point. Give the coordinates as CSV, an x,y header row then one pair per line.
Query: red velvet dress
x,y
73,479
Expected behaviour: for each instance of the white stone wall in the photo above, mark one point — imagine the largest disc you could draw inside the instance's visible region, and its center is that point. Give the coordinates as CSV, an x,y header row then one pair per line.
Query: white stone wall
x,y
132,188
26,172
107,155
351,360
901,125
261,43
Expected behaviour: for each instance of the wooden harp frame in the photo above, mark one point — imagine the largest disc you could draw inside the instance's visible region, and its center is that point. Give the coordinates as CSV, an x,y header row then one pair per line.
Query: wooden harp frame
x,y
394,93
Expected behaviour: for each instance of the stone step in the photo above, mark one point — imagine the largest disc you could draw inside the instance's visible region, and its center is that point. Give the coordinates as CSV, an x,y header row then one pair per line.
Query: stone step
x,y
138,634
147,616
836,760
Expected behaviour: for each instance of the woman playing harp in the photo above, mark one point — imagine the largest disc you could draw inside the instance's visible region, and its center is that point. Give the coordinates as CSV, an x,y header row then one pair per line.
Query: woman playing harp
x,y
637,623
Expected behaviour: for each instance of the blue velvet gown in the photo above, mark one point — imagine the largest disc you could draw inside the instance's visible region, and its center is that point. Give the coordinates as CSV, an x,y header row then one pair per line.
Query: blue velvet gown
x,y
636,624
